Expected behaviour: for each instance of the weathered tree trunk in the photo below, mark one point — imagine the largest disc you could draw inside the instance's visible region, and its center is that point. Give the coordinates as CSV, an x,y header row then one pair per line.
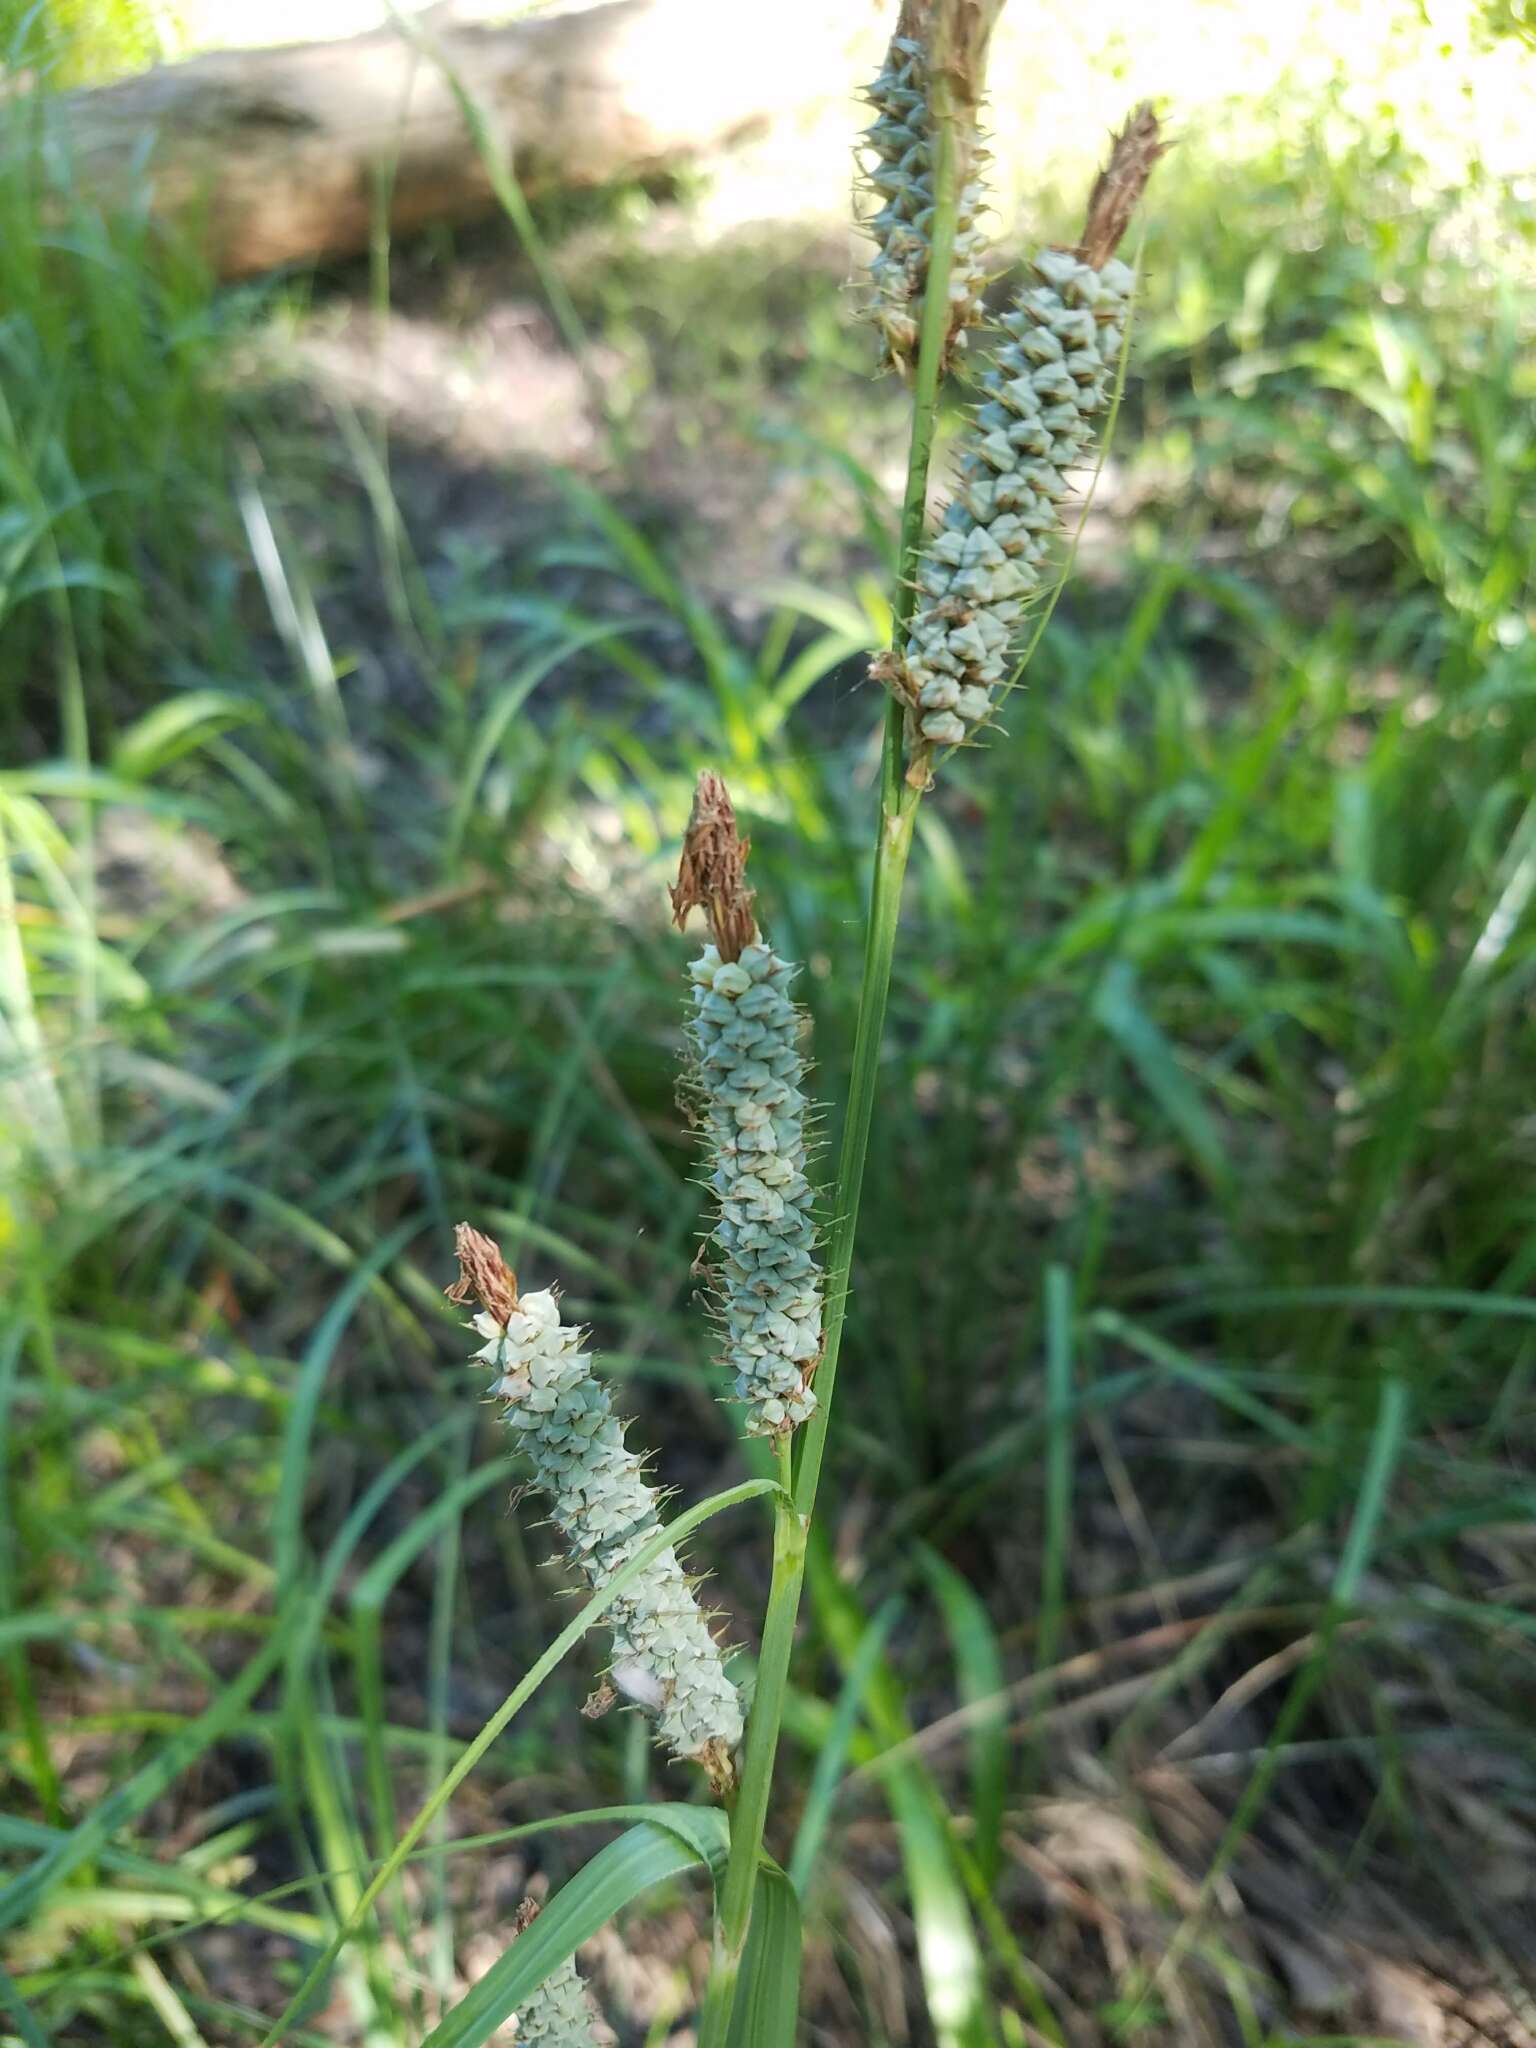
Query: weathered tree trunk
x,y
278,156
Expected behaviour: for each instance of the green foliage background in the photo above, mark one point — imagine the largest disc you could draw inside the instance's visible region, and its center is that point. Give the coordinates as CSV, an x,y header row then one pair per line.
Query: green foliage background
x,y
1200,1223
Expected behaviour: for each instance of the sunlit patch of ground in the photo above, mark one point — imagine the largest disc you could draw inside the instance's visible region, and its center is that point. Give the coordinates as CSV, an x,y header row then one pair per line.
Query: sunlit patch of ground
x,y
472,370
1061,74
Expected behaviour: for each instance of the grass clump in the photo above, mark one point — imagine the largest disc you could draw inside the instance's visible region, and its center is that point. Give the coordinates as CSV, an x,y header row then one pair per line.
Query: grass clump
x,y
116,443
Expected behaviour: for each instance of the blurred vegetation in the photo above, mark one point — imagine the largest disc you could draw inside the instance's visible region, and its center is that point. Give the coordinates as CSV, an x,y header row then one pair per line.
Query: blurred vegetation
x,y
336,843
80,41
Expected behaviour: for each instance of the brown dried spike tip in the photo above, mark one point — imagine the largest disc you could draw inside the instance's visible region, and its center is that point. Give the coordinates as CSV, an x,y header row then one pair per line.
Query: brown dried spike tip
x,y
1120,184
484,1275
961,32
713,873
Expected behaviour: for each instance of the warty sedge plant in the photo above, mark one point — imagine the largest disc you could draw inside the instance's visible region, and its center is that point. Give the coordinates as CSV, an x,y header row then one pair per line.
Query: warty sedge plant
x,y
958,601
743,1088
956,33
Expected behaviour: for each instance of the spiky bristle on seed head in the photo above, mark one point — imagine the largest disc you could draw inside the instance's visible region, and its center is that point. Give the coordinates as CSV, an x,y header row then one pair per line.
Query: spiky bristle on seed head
x,y
484,1275
712,875
1120,185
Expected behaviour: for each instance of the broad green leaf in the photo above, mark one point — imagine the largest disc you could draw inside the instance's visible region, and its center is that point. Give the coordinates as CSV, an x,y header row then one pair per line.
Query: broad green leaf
x,y
70,576
703,1827
1416,1300
828,608
768,1993
184,1891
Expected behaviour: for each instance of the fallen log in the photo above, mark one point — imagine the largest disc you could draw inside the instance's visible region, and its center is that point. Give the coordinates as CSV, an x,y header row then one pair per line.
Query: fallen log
x,y
278,156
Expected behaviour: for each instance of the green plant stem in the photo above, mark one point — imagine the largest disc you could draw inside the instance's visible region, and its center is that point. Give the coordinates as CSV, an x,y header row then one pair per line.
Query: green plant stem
x,y
893,844
750,1807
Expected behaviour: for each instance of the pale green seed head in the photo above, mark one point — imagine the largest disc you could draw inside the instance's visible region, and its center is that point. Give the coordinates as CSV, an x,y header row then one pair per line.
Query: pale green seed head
x,y
599,1500
745,1031
1047,383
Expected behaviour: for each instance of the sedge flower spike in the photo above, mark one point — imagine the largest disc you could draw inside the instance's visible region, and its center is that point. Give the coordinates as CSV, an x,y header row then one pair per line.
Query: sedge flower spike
x,y
903,144
1047,385
559,2014
664,1656
744,1089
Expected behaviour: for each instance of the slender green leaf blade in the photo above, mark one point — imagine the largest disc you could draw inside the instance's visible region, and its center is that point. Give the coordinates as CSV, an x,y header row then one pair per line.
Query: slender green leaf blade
x,y
832,1753
21,2016
979,1669
1118,1009
177,725
954,1978
768,1992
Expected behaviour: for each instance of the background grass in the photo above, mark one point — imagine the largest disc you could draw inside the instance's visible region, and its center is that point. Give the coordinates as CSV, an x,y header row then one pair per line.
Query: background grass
x,y
1168,1674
